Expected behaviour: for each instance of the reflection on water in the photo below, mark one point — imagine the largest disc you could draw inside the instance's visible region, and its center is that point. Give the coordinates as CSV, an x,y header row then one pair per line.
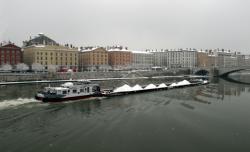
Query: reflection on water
x,y
213,117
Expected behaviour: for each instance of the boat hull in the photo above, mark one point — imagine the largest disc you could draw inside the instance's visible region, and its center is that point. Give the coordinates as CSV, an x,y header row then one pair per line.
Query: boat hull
x,y
63,99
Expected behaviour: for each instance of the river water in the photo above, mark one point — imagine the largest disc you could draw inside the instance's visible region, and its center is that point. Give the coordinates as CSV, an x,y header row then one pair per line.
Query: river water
x,y
215,117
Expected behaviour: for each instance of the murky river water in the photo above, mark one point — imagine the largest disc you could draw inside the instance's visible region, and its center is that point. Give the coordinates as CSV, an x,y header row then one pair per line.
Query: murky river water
x,y
215,117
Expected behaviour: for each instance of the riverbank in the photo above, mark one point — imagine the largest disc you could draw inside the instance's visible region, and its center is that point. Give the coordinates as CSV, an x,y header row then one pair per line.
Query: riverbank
x,y
19,77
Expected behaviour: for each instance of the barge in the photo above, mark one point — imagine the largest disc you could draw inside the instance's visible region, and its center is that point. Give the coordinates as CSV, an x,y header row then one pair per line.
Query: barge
x,y
126,89
85,89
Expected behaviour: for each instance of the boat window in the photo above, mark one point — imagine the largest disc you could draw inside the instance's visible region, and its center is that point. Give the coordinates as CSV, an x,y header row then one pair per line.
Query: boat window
x,y
96,89
87,89
65,92
81,90
74,91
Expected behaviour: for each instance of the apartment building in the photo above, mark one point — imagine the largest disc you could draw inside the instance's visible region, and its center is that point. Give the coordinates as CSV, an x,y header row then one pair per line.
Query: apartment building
x,y
10,53
93,59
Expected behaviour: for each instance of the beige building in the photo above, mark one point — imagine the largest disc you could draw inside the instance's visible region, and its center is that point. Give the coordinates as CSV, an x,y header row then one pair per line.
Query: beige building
x,y
51,56
93,59
202,59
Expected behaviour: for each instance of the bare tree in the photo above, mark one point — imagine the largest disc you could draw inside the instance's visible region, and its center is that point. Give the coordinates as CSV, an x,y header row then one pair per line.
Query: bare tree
x,y
22,67
37,67
6,67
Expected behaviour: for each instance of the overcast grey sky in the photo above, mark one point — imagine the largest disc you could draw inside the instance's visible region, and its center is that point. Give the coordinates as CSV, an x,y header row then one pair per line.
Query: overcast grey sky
x,y
138,24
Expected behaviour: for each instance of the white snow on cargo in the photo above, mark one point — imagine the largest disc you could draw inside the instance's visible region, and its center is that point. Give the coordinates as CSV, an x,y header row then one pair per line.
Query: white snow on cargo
x,y
150,86
163,85
182,83
137,87
124,88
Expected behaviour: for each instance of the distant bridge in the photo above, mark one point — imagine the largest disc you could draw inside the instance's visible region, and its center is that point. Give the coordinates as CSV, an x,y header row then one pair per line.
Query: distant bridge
x,y
219,71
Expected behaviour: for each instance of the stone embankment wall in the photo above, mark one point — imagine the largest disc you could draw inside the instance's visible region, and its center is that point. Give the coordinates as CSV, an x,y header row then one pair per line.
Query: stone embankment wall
x,y
7,77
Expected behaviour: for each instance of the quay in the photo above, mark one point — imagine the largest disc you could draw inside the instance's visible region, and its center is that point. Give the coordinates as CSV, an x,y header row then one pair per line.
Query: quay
x,y
99,79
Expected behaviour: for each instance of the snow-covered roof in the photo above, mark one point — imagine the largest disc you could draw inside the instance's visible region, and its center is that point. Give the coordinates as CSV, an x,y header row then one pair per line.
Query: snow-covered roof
x,y
117,49
39,46
89,49
140,52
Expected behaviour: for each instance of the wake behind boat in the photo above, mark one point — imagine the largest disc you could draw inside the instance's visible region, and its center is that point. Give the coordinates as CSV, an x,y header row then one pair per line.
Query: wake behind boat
x,y
81,89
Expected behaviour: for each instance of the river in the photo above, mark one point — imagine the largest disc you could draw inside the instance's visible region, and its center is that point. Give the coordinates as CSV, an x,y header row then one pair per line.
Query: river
x,y
214,117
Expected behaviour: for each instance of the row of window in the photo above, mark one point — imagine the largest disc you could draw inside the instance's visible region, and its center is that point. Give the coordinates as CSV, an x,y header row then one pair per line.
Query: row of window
x,y
56,63
75,91
51,53
46,58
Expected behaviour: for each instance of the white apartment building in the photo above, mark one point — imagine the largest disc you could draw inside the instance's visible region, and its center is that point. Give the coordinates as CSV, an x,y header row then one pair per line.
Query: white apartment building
x,y
142,60
175,59
247,60
225,58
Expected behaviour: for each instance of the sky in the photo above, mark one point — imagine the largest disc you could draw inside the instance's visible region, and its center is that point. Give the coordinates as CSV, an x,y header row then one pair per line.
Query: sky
x,y
138,24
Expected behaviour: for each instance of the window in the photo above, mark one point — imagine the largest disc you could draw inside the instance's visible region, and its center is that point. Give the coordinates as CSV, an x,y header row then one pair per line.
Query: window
x,y
65,92
74,91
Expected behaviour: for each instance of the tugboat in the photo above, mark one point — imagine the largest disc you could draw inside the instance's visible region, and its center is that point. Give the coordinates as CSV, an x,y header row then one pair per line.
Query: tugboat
x,y
82,89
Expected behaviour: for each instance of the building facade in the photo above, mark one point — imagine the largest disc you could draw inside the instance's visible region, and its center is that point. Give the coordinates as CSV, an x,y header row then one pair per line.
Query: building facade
x,y
175,59
51,57
93,59
10,54
120,59
142,60
225,58
202,59
247,60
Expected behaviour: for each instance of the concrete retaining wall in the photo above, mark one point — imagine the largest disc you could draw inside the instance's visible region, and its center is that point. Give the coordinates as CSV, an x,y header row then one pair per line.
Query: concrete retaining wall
x,y
88,75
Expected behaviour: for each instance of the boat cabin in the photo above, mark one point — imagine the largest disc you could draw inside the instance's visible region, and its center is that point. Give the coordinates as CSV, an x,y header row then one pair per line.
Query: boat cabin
x,y
71,89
